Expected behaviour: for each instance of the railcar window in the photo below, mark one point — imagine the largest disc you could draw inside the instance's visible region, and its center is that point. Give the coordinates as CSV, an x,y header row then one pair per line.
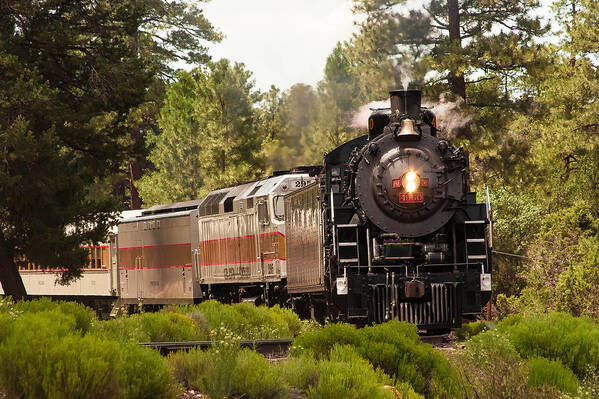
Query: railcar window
x,y
263,212
92,258
278,206
210,205
229,204
255,189
98,258
105,257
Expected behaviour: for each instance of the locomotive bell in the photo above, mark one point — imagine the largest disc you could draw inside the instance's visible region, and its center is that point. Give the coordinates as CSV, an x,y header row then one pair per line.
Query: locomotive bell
x,y
407,131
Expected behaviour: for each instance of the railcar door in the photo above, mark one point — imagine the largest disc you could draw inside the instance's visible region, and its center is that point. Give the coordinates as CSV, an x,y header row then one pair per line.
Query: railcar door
x,y
139,262
263,222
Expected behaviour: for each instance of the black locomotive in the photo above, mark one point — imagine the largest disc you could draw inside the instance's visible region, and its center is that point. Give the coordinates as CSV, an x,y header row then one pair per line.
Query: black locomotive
x,y
399,234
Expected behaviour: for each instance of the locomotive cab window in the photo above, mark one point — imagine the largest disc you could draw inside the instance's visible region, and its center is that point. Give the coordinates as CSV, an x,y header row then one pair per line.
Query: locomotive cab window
x,y
263,212
278,206
229,204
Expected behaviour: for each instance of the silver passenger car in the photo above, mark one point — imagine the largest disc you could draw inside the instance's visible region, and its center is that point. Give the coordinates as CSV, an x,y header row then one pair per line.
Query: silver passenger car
x,y
242,232
154,256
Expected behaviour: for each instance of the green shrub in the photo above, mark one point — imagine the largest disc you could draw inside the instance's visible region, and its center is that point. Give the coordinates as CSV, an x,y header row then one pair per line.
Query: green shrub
x,y
210,372
394,347
225,370
347,380
407,392
547,372
574,341
471,329
287,316
255,377
163,327
189,367
152,327
299,372
6,324
41,359
248,320
84,316
44,356
491,368
320,342
145,374
346,375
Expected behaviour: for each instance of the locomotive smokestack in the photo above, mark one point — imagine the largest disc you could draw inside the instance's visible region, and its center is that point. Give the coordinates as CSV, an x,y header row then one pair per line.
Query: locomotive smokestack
x,y
406,102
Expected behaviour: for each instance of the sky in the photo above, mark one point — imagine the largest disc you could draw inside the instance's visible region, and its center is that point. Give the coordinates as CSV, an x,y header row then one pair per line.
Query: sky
x,y
282,42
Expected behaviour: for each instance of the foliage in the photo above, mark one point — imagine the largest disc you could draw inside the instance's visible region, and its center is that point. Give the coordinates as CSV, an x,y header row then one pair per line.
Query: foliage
x,y
345,375
248,320
210,135
516,216
73,75
85,317
545,372
254,376
394,347
47,354
145,374
224,370
198,322
469,330
560,132
397,42
349,380
153,327
574,341
319,343
491,368
298,112
42,359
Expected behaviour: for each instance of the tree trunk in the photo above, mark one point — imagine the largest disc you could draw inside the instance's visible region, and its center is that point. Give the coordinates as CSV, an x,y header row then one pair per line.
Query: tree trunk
x,y
134,175
223,164
12,284
456,78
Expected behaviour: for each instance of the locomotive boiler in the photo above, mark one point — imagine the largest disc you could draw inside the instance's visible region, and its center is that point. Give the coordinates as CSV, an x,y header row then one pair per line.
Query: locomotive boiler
x,y
390,229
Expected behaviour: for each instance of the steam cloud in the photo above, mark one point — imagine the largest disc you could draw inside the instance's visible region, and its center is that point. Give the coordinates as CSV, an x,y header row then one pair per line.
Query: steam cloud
x,y
450,121
360,118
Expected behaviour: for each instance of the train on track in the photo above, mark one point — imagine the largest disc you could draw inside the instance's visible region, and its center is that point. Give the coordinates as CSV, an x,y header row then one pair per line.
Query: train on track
x,y
385,229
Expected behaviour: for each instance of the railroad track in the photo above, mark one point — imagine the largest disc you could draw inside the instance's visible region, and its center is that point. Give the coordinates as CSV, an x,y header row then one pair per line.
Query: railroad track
x,y
267,347
435,340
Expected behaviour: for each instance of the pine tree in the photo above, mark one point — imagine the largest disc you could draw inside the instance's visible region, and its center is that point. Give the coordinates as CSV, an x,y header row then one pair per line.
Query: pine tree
x,y
72,73
211,135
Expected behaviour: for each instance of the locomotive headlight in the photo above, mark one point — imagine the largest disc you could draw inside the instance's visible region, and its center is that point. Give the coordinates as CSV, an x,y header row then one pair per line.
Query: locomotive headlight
x,y
411,181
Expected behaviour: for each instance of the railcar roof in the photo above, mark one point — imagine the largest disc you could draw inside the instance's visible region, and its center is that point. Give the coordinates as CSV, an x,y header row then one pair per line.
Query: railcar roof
x,y
267,185
157,216
174,207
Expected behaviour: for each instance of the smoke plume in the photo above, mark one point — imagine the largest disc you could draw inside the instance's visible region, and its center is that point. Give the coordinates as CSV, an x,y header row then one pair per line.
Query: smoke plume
x,y
450,121
360,118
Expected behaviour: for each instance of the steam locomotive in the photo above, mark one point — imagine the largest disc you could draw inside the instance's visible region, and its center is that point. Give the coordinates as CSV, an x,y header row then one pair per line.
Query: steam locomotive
x,y
399,234
385,229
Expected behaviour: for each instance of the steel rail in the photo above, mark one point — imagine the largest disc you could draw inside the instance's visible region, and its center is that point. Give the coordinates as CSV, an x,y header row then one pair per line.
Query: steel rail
x,y
267,347
262,346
